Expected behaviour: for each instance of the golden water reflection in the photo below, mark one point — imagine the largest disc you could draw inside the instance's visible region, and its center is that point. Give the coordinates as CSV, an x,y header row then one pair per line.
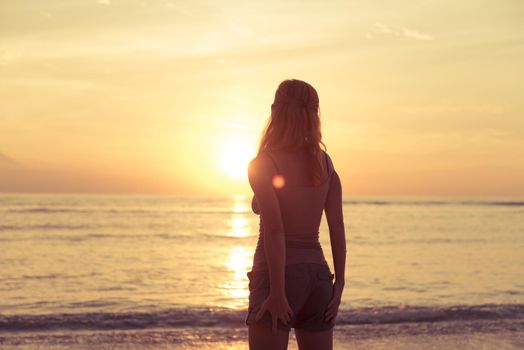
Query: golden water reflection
x,y
241,204
235,287
239,224
239,258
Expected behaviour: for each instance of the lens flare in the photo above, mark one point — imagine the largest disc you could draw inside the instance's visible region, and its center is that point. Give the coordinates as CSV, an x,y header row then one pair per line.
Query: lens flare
x,y
278,181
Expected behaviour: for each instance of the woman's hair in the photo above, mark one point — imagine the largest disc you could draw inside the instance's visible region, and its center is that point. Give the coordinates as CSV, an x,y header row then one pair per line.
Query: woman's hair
x,y
294,124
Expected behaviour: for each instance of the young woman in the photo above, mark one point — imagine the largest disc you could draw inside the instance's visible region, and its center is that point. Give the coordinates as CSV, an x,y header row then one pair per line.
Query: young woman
x,y
294,181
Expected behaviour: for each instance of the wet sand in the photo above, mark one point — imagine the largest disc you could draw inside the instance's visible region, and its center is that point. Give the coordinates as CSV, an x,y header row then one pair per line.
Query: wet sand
x,y
464,335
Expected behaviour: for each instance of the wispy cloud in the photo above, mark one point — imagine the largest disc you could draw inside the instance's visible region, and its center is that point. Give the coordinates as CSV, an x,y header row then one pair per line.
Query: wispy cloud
x,y
454,109
410,33
382,28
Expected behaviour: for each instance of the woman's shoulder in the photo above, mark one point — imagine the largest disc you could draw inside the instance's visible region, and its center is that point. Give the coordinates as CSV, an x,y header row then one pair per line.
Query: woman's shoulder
x,y
262,162
261,158
329,162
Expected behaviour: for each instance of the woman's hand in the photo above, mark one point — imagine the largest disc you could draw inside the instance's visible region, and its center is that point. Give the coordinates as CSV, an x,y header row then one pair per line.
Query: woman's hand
x,y
332,308
278,308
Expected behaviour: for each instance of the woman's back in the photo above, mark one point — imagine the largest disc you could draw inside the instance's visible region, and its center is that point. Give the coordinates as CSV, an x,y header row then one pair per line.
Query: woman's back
x,y
301,206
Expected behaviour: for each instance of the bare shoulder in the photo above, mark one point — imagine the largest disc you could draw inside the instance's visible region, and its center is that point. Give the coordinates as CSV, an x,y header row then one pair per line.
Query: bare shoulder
x,y
327,156
261,164
329,162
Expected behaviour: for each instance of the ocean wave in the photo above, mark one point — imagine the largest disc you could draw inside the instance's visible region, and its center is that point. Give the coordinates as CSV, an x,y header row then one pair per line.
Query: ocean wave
x,y
44,210
404,313
136,236
45,227
213,317
156,211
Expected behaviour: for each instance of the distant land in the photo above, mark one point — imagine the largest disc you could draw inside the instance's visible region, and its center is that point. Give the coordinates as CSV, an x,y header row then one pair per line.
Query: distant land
x,y
16,176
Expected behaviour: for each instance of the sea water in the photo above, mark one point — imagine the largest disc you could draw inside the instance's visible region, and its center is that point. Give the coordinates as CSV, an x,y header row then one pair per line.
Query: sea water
x,y
80,262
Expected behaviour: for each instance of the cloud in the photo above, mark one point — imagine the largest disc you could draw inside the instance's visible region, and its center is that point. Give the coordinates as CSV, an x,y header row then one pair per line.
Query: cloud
x,y
410,33
382,28
454,109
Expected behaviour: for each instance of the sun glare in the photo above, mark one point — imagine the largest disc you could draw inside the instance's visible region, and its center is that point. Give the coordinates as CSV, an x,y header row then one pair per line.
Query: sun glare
x,y
234,156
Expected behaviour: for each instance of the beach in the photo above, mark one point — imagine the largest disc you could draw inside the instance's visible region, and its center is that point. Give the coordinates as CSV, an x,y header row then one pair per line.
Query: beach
x,y
463,335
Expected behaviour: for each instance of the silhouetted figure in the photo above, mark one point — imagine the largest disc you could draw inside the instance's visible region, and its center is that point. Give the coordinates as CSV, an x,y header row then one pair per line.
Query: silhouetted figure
x,y
294,181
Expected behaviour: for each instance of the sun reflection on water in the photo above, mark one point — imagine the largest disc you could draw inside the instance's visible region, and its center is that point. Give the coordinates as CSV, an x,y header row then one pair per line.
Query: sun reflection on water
x,y
240,204
235,287
239,226
239,221
238,261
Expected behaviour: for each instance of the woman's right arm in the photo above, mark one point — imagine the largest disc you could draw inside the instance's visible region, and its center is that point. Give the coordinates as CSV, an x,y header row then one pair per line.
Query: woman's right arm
x,y
337,235
260,175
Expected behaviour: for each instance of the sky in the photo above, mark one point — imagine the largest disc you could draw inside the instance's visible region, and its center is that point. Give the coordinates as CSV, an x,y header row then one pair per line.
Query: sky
x,y
417,98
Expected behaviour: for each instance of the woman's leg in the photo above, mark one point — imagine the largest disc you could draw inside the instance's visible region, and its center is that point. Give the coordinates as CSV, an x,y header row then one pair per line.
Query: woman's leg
x,y
261,338
318,340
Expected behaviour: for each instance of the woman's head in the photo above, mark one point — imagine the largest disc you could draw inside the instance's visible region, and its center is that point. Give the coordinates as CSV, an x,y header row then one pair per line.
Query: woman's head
x,y
294,123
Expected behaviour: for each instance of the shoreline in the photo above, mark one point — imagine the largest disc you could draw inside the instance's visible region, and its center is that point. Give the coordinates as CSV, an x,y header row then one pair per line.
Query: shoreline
x,y
466,335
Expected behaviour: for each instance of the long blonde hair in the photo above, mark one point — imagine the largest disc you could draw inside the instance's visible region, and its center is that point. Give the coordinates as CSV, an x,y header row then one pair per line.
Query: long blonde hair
x,y
294,124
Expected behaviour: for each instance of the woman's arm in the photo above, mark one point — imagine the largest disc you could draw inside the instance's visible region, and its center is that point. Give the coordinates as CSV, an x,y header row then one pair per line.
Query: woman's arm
x,y
337,235
260,173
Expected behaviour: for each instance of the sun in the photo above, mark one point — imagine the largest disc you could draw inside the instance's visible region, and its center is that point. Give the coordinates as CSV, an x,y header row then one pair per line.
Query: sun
x,y
234,155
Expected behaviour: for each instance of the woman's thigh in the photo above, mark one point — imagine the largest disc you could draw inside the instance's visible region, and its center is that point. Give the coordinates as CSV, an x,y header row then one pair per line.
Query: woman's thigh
x,y
261,338
314,340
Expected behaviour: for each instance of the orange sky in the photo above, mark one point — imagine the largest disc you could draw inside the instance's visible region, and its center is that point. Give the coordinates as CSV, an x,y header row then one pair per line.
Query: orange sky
x,y
417,97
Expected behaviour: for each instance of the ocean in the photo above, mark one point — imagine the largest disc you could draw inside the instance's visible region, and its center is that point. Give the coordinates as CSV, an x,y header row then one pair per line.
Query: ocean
x,y
170,271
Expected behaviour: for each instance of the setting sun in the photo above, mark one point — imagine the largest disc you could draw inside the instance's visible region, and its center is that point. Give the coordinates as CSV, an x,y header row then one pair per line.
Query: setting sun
x,y
234,156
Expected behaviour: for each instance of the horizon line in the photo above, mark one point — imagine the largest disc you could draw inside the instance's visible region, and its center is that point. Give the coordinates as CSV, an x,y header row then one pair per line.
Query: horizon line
x,y
218,195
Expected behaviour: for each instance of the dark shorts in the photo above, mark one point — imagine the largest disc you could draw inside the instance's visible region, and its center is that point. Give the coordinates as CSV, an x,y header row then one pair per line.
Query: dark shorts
x,y
309,288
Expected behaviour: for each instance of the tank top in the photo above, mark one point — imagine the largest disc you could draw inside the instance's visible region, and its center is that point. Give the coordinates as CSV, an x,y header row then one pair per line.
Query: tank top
x,y
301,209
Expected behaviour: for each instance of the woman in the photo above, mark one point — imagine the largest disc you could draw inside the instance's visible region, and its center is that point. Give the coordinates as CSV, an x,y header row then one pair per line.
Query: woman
x,y
293,180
